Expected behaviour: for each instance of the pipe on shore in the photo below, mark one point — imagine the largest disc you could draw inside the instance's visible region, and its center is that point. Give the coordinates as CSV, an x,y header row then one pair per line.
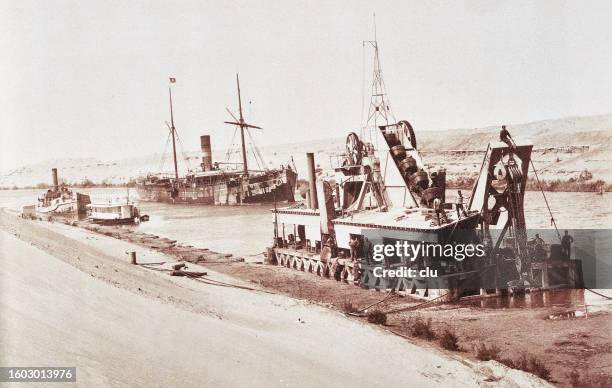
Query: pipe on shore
x,y
312,180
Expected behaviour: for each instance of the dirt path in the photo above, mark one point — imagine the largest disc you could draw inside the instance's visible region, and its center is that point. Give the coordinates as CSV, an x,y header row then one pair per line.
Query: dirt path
x,y
144,328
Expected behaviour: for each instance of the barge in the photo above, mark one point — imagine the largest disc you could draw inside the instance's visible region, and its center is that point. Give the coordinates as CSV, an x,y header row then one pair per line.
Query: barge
x,y
382,193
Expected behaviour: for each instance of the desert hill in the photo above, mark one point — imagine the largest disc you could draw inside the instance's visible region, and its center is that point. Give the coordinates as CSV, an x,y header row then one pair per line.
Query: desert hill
x,y
564,149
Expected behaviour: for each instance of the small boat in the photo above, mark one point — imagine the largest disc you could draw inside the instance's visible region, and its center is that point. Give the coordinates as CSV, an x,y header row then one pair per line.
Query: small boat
x,y
60,200
115,213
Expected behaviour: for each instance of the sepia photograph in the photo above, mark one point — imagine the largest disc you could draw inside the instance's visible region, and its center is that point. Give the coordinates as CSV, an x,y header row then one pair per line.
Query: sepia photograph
x,y
306,193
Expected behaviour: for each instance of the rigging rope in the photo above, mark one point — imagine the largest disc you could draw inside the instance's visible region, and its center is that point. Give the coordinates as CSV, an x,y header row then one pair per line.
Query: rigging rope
x,y
257,152
229,152
248,151
162,161
185,157
552,218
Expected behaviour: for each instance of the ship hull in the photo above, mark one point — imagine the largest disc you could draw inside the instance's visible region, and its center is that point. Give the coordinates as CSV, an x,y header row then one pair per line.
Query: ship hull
x,y
114,221
59,207
75,204
278,188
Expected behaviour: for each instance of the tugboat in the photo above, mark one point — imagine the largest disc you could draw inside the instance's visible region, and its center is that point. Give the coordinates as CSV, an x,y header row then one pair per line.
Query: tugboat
x,y
214,185
383,194
115,213
60,200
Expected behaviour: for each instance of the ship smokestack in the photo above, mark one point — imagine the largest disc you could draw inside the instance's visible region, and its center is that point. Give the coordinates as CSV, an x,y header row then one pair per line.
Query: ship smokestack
x,y
54,177
312,182
206,153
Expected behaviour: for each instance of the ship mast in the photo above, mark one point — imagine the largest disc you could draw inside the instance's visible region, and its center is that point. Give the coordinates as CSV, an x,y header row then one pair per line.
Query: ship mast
x,y
173,131
243,127
379,111
244,156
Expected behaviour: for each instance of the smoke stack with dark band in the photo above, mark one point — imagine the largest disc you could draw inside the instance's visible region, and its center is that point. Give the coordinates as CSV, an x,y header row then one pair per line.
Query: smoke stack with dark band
x,y
54,177
312,180
206,152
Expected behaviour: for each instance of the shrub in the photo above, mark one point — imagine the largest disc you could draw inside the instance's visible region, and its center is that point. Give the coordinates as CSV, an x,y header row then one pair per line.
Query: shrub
x,y
538,368
349,307
449,340
422,328
533,365
377,317
574,378
597,381
485,353
526,363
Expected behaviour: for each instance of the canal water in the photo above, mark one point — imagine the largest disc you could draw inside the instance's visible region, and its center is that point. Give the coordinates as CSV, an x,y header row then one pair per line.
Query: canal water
x,y
248,229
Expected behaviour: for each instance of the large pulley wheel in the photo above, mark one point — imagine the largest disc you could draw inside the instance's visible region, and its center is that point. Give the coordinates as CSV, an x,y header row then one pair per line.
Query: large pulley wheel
x,y
354,149
409,132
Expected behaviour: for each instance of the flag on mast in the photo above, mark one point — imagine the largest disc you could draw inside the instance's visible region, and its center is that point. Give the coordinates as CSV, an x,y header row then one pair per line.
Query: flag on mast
x,y
172,80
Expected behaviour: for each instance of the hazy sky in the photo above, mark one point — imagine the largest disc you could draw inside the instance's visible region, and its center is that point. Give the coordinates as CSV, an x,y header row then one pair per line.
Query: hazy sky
x,y
89,78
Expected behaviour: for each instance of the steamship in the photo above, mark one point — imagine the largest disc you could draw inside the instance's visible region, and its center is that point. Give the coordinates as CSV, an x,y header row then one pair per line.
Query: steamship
x,y
59,200
212,184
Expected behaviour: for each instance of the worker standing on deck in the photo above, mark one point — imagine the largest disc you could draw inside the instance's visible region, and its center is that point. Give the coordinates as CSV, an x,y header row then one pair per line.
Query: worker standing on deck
x,y
355,246
538,240
367,250
539,246
566,244
505,137
440,213
459,205
338,265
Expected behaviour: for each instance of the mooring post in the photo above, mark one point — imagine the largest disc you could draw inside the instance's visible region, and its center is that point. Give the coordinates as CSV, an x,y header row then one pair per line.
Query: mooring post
x,y
133,257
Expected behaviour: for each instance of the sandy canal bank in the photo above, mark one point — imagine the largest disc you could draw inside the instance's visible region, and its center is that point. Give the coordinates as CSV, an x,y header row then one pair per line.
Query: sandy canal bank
x,y
517,326
70,297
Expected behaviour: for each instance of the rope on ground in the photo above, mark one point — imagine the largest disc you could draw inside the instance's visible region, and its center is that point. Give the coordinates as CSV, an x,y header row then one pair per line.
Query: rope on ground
x,y
205,281
359,312
155,269
221,262
416,306
597,293
213,282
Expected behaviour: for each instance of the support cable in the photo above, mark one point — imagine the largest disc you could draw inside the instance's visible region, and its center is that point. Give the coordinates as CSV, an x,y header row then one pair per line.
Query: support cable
x,y
597,293
552,218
